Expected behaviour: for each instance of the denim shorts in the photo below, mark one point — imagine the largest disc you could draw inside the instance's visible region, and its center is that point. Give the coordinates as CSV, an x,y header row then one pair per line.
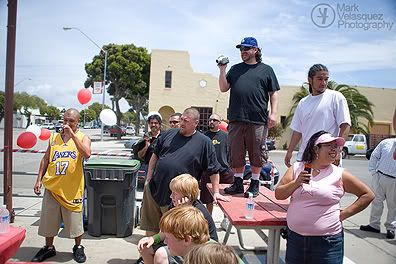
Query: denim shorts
x,y
314,249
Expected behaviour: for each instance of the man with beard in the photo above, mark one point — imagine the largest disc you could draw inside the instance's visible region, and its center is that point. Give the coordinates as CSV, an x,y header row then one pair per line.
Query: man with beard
x,y
178,151
154,121
252,84
219,141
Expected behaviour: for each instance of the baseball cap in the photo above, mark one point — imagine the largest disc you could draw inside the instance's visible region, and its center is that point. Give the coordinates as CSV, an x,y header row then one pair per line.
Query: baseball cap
x,y
248,42
154,113
326,138
215,116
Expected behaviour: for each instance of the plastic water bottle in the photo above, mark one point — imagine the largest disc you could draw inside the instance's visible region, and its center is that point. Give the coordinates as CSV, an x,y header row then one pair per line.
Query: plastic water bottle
x,y
4,220
249,207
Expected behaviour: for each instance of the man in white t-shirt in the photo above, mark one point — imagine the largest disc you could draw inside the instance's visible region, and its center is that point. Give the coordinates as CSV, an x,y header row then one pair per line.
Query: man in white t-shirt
x,y
322,109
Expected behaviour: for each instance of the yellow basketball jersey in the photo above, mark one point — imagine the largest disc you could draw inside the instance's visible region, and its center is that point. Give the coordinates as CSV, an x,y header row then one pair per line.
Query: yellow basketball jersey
x,y
64,176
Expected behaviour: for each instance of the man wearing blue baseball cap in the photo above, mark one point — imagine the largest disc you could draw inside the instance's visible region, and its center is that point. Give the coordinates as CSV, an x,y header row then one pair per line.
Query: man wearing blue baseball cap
x,y
252,84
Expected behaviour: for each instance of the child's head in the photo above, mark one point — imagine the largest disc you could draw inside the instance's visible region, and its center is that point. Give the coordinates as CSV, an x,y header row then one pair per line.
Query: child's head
x,y
184,226
184,185
211,253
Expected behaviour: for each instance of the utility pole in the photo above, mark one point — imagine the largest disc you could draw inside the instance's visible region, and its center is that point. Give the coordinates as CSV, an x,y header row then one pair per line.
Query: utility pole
x,y
9,98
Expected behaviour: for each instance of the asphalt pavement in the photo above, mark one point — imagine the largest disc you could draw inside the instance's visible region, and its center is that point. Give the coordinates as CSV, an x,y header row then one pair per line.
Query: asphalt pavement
x,y
360,247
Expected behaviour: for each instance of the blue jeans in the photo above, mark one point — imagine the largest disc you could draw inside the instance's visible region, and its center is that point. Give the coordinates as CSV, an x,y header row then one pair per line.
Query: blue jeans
x,y
314,249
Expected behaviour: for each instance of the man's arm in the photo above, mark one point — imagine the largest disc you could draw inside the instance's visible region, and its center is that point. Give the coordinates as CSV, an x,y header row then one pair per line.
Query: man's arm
x,y
42,170
223,83
296,137
151,166
84,146
273,117
344,130
142,152
215,179
375,158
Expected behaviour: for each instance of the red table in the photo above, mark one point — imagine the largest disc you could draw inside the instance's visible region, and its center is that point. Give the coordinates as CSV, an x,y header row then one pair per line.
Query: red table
x,y
10,242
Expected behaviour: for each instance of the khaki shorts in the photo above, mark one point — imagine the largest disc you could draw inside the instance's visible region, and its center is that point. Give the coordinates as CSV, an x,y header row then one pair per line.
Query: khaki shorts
x,y
248,137
52,214
151,212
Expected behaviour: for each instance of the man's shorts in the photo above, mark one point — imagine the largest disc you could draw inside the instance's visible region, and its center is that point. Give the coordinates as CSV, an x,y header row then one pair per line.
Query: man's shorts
x,y
52,214
151,212
205,196
242,137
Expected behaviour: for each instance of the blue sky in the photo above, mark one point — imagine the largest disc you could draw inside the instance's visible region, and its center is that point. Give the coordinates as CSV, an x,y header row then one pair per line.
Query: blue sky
x,y
53,59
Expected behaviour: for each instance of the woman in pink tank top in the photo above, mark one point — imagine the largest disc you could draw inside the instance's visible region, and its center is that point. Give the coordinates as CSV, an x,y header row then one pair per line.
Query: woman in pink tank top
x,y
315,187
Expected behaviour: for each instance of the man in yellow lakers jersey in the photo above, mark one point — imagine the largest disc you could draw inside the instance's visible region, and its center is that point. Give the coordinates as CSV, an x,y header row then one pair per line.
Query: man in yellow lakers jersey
x,y
61,173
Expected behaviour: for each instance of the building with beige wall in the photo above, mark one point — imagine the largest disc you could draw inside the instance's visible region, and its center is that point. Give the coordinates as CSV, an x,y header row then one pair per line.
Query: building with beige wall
x,y
174,86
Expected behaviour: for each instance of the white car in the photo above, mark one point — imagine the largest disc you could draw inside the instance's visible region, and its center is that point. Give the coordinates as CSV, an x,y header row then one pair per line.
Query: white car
x,y
49,126
130,130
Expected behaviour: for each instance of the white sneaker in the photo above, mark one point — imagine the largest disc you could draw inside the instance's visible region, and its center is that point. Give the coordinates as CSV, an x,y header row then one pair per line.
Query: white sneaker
x,y
224,225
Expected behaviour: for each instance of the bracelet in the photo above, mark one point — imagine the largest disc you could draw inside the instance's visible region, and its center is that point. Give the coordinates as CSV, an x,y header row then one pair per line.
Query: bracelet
x,y
157,239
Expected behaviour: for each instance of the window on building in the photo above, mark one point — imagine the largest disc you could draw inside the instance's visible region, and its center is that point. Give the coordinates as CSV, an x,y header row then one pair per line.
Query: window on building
x,y
204,114
168,79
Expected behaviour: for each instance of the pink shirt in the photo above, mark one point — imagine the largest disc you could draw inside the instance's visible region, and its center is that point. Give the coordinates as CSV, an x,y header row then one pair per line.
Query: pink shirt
x,y
314,208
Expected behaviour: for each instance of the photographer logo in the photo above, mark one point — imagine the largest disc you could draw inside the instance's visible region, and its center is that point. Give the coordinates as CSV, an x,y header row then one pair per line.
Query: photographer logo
x,y
323,15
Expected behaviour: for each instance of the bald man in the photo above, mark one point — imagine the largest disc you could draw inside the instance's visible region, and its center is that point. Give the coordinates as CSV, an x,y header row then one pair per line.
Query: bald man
x,y
61,173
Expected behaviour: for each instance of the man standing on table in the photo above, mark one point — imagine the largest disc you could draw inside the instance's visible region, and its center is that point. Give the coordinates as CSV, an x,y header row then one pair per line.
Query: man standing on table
x,y
178,151
252,84
61,173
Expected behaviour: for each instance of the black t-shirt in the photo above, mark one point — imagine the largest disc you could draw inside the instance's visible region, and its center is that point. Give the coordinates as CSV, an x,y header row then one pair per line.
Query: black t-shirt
x,y
249,88
219,141
178,154
212,227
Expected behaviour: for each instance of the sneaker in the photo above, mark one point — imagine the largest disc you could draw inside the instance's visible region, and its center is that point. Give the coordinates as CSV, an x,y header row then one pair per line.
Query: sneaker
x,y
224,225
44,253
369,228
78,254
390,234
236,187
254,188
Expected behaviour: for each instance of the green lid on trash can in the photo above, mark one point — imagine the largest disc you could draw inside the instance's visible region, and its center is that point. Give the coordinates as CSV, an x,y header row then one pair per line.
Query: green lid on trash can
x,y
97,162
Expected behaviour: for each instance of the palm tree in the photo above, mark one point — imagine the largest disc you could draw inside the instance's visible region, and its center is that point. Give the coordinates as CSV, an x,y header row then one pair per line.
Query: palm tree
x,y
360,108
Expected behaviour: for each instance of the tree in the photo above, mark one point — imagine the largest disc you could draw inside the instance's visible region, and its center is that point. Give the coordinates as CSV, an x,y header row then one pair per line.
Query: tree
x,y
128,74
25,103
128,117
52,112
360,108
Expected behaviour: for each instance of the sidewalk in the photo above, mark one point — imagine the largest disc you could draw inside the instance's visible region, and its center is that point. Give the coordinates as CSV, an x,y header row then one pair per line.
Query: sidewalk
x,y
360,247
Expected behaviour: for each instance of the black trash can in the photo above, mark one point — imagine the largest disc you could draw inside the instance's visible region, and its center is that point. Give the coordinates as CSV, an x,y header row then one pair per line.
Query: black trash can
x,y
111,190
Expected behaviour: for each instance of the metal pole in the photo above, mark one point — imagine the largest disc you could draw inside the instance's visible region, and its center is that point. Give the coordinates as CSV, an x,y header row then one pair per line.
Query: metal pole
x,y
104,71
9,98
104,93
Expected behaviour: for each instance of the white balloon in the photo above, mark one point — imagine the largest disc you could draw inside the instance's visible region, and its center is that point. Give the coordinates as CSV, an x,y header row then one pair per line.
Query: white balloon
x,y
35,129
108,117
124,105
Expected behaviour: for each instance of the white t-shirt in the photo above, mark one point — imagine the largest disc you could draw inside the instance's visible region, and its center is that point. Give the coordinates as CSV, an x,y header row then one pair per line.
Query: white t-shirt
x,y
326,111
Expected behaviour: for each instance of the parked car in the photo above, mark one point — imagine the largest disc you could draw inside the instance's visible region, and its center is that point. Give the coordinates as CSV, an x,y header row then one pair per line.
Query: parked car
x,y
130,130
270,144
355,144
49,126
115,130
129,144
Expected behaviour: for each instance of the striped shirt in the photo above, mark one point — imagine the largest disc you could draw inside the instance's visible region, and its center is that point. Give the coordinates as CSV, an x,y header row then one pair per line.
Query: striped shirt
x,y
382,160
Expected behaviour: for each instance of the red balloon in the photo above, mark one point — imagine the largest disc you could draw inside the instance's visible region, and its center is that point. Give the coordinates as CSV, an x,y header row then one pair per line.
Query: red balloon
x,y
84,96
45,134
223,126
26,140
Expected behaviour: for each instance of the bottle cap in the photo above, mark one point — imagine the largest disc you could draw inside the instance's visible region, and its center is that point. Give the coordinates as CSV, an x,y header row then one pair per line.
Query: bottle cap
x,y
250,195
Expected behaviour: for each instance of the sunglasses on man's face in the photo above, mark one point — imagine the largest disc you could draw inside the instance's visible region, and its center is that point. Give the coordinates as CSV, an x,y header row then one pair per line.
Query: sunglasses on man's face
x,y
214,120
243,48
174,122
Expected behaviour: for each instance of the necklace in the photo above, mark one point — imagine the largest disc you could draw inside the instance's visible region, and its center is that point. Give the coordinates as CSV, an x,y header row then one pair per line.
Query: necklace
x,y
317,170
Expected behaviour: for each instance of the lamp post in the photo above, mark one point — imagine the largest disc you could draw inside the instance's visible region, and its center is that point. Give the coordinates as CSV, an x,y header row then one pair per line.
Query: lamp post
x,y
104,72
